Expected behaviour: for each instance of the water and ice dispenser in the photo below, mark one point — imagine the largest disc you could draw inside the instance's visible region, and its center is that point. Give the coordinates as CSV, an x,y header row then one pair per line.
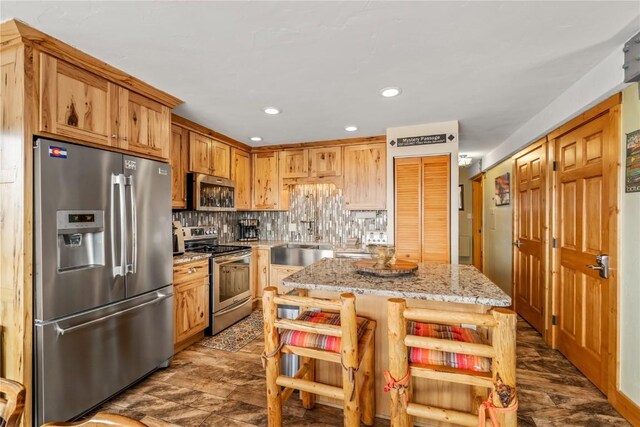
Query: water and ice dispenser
x,y
80,239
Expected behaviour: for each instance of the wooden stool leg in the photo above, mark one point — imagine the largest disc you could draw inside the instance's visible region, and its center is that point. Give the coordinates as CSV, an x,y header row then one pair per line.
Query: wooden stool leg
x,y
504,364
369,384
349,354
398,359
308,399
271,343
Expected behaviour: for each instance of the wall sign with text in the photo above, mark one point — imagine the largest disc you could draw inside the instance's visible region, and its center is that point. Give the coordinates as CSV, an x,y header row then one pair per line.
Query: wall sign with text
x,y
410,141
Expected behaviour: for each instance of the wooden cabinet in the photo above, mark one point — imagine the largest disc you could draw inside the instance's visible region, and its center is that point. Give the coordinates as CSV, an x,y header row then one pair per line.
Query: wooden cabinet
x,y
199,153
365,177
145,125
326,161
295,163
209,156
78,104
241,176
191,301
266,185
220,159
179,158
422,210
262,262
279,272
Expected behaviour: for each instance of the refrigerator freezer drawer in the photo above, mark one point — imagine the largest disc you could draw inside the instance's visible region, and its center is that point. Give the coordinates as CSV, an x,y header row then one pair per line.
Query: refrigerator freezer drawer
x,y
83,360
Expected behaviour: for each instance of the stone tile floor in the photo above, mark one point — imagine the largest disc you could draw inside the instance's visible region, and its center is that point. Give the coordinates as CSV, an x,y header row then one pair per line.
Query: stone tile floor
x,y
207,387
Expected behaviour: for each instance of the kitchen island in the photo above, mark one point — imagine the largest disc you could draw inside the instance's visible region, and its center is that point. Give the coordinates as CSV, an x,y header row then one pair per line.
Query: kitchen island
x,y
438,286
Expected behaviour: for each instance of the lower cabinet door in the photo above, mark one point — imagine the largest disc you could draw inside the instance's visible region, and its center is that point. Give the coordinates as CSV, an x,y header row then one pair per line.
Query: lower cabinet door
x,y
191,310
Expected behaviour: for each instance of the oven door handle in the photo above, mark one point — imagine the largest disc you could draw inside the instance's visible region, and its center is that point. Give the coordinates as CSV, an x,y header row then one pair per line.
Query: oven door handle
x,y
231,258
234,307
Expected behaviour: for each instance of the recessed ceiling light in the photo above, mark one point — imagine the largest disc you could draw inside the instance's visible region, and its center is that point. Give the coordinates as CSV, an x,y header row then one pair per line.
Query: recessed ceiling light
x,y
390,92
351,128
272,110
256,138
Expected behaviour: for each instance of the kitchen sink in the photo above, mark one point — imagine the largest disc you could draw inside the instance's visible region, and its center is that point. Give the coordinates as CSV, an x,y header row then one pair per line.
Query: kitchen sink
x,y
300,254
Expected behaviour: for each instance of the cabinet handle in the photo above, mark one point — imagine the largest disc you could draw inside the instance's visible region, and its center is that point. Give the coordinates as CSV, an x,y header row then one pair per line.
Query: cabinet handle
x,y
192,270
124,138
114,136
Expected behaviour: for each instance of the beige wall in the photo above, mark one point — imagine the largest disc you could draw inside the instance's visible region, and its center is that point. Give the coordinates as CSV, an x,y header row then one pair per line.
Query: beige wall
x,y
465,223
497,227
629,254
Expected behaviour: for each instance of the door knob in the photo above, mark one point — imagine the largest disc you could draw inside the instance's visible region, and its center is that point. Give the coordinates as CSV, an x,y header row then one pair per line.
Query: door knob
x,y
602,265
517,243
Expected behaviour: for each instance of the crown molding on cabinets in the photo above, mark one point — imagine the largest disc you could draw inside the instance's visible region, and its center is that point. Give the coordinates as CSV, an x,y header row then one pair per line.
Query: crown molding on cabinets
x,y
198,128
15,32
345,141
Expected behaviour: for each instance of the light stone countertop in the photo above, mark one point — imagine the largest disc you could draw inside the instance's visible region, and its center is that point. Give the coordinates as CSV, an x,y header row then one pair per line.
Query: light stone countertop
x,y
189,257
434,282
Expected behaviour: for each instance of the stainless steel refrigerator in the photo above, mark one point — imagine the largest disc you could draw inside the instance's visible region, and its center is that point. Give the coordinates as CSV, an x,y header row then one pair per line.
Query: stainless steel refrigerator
x,y
103,289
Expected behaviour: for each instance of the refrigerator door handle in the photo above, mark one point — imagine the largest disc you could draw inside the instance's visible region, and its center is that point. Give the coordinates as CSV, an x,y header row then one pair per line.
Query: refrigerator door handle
x,y
63,331
131,268
118,270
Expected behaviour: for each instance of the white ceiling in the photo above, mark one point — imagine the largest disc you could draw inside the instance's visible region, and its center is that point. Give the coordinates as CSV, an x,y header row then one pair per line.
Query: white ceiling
x,y
490,65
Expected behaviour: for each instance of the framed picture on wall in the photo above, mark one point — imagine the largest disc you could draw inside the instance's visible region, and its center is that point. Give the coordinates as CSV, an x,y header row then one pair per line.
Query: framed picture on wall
x,y
503,190
461,197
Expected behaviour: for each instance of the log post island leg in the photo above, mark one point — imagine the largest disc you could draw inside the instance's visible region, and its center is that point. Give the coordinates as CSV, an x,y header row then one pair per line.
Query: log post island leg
x,y
349,356
271,345
398,360
369,384
504,338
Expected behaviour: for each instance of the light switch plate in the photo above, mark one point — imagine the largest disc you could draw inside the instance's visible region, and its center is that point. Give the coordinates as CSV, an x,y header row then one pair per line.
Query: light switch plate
x,y
224,228
268,226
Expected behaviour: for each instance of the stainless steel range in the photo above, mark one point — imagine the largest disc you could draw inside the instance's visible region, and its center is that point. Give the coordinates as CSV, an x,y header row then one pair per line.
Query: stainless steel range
x,y
230,276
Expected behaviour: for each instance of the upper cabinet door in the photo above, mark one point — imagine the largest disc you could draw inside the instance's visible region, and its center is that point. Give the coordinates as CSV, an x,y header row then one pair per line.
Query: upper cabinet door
x,y
266,187
241,175
295,163
220,159
76,103
326,161
199,153
365,177
145,125
179,165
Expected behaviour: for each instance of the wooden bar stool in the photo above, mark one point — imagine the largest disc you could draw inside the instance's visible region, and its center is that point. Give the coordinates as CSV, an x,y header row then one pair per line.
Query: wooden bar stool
x,y
431,344
334,335
11,402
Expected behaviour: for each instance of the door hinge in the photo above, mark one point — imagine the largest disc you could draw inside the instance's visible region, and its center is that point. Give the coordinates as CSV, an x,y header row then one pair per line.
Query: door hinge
x,y
554,243
554,320
555,165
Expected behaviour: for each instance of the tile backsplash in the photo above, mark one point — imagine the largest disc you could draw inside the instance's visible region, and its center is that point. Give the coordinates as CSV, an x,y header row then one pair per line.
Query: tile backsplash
x,y
315,213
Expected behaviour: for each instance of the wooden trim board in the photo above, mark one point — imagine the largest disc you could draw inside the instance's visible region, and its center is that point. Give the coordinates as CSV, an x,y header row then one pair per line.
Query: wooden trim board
x,y
15,32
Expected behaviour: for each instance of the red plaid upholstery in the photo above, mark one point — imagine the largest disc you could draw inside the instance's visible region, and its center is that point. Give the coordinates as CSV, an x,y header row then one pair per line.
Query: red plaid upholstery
x,y
442,358
321,342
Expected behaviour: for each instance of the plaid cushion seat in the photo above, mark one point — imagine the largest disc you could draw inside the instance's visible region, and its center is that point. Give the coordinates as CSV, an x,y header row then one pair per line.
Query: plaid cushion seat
x,y
320,342
443,358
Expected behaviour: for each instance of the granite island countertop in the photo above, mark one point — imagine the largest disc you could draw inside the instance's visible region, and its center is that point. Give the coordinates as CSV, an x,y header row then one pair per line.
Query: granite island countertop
x,y
434,282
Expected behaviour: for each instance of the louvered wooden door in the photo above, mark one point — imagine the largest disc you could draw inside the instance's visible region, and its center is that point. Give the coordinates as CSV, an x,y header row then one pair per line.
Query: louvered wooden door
x,y
530,225
422,209
436,198
408,174
584,184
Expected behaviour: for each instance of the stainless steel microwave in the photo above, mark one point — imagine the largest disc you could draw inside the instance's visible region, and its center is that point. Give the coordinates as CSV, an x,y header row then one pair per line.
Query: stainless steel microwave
x,y
210,193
